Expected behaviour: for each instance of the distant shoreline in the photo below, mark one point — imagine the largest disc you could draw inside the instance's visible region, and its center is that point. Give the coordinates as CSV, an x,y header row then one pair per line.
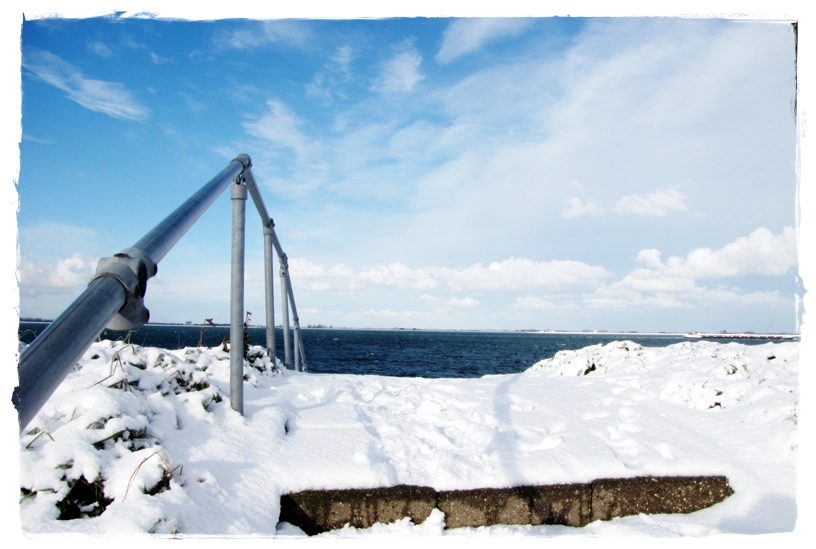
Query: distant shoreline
x,y
690,335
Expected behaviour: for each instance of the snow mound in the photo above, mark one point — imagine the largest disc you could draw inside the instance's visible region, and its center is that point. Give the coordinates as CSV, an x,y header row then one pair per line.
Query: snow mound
x,y
702,375
98,441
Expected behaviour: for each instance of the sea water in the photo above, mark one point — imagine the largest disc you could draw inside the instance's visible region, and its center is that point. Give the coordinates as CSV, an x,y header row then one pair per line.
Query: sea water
x,y
402,353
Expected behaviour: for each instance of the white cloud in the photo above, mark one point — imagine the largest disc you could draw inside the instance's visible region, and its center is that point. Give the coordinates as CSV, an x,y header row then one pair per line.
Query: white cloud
x,y
511,275
761,252
576,207
658,203
696,297
467,35
400,73
463,302
675,283
400,276
645,280
110,98
65,276
302,267
516,275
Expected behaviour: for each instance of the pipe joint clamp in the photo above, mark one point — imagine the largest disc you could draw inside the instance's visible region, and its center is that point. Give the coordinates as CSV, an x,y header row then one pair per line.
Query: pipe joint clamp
x,y
131,267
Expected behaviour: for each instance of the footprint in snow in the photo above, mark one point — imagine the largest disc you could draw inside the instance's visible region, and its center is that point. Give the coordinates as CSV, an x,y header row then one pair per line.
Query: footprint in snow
x,y
665,451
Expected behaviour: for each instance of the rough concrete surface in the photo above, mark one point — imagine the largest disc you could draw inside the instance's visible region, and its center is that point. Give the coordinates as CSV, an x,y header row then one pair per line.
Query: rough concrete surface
x,y
655,495
316,511
567,504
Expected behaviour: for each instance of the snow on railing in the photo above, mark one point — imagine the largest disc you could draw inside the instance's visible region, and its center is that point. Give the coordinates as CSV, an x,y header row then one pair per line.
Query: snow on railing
x,y
114,297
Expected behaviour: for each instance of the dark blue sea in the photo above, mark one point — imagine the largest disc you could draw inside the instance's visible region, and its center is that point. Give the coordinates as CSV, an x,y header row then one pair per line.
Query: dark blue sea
x,y
402,353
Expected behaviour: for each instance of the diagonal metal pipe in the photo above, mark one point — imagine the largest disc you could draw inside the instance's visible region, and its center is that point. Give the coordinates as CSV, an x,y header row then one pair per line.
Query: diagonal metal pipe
x,y
47,361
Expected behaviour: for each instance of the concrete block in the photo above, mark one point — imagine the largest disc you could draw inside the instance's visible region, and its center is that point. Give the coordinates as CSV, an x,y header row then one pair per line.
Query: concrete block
x,y
316,511
653,495
567,504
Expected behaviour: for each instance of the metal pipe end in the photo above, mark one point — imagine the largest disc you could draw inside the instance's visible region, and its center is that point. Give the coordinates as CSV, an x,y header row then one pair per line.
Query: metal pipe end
x,y
244,159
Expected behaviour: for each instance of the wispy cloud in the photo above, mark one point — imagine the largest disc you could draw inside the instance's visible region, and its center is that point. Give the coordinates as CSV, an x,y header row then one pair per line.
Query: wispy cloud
x,y
29,137
258,34
575,208
110,98
399,73
466,35
100,49
316,87
659,203
159,60
281,128
325,83
341,60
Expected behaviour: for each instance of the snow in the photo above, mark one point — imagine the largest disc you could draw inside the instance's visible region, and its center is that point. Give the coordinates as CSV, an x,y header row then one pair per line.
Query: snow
x,y
139,420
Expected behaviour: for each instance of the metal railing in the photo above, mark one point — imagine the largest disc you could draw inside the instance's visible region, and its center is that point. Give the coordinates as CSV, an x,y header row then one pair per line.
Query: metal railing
x,y
115,296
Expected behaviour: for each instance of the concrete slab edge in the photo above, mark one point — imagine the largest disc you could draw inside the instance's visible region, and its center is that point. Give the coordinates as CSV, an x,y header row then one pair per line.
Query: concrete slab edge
x,y
316,511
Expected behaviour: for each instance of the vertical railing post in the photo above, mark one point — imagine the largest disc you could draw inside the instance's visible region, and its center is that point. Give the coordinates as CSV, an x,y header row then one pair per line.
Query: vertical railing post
x,y
270,290
238,194
296,321
284,275
296,325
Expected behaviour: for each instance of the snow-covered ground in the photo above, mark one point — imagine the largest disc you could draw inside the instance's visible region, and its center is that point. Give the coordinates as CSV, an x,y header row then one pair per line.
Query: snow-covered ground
x,y
133,421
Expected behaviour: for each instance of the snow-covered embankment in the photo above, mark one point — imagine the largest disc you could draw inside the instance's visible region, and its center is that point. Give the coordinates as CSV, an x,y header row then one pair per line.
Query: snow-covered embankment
x,y
151,434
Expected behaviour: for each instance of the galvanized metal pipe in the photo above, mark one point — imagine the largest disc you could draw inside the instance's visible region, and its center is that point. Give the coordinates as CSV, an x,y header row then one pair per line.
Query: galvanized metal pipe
x,y
270,240
269,277
297,346
45,363
164,236
238,194
288,298
49,358
303,365
296,323
252,186
287,353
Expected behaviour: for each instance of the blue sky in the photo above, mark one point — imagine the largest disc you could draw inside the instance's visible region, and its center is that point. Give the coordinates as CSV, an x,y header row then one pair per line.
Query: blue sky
x,y
562,173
